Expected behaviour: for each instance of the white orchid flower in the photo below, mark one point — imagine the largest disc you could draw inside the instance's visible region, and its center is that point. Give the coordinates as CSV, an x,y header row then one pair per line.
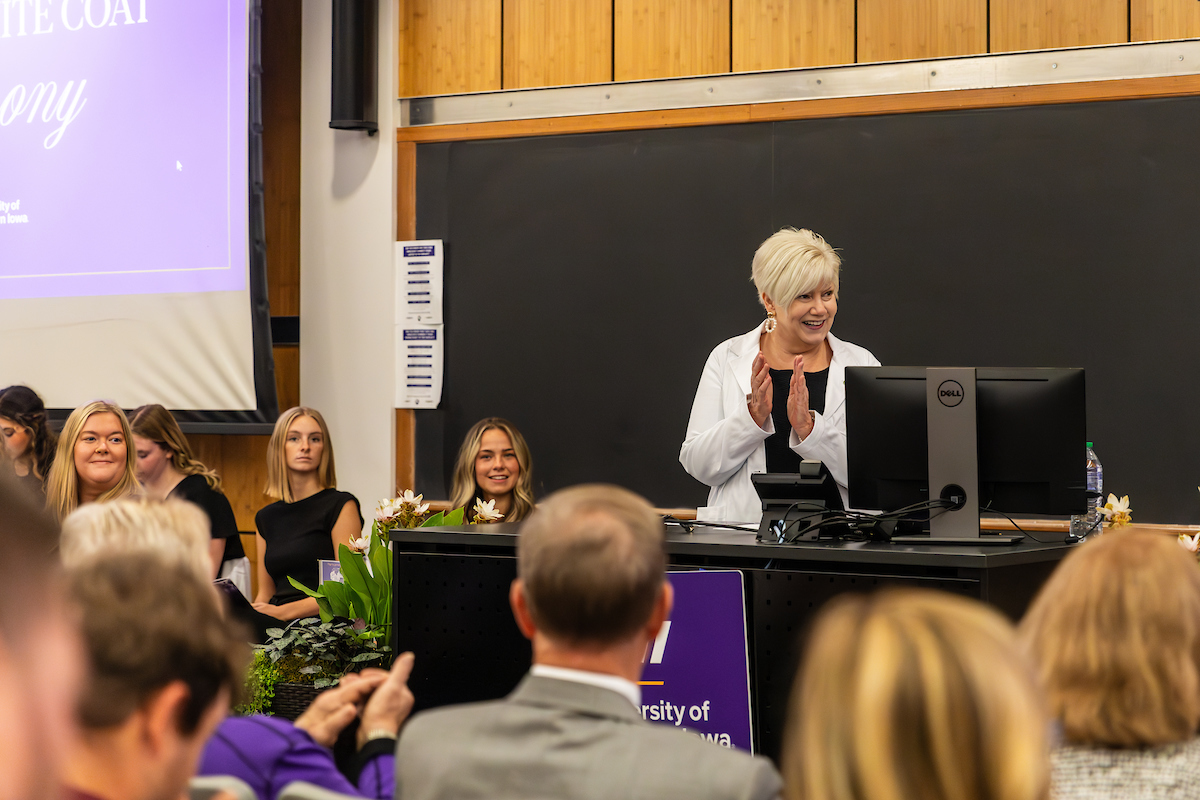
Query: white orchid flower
x,y
361,545
1117,512
387,510
486,512
1190,543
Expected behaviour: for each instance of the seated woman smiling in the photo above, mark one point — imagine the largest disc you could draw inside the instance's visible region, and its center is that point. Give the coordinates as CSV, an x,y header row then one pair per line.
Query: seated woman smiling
x,y
94,461
494,465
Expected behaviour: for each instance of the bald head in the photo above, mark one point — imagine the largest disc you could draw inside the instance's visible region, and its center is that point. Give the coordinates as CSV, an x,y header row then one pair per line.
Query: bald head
x,y
592,563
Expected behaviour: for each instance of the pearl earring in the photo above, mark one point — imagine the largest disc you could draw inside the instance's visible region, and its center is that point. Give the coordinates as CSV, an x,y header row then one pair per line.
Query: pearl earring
x,y
771,322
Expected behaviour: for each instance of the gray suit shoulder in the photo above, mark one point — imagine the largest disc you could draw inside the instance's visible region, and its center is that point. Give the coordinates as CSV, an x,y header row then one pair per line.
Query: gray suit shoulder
x,y
502,750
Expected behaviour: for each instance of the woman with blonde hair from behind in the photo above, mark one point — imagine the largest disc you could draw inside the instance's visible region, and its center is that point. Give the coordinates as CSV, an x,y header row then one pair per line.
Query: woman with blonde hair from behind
x,y
95,460
1115,637
174,531
494,465
914,695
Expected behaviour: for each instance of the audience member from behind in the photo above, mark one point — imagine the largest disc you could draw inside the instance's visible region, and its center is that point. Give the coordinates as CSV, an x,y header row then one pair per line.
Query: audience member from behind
x,y
174,531
164,668
41,661
914,694
167,468
591,594
310,520
28,440
494,465
1115,635
95,460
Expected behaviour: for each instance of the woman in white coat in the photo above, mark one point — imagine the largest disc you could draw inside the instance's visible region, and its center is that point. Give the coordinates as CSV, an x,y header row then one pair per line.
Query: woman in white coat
x,y
775,395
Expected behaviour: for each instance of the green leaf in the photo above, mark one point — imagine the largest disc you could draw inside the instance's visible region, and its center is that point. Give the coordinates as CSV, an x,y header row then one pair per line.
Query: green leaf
x,y
355,575
322,683
367,657
309,670
455,517
435,520
304,588
274,633
339,603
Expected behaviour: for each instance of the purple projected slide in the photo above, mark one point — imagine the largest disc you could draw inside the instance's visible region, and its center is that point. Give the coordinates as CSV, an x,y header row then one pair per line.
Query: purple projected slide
x,y
122,147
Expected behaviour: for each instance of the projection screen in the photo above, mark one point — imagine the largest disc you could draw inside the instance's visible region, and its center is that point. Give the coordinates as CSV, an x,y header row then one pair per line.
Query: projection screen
x,y
124,202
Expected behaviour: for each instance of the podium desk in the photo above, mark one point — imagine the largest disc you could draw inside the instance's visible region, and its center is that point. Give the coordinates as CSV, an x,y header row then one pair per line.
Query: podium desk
x,y
451,600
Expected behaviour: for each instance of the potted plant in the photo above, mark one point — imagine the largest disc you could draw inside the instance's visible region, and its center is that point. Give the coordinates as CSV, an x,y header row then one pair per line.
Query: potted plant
x,y
355,621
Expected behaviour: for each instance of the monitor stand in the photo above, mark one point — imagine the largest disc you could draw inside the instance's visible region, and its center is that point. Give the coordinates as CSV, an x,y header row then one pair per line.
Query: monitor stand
x,y
954,460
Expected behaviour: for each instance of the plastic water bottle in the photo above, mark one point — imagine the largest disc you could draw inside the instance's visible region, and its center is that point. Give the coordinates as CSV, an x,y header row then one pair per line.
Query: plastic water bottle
x,y
1084,524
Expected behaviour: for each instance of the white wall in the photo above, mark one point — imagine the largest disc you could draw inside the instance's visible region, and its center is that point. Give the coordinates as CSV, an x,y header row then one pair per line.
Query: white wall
x,y
347,236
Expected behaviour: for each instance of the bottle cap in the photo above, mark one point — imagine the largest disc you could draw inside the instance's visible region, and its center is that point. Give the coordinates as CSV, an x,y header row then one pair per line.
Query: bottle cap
x,y
1089,444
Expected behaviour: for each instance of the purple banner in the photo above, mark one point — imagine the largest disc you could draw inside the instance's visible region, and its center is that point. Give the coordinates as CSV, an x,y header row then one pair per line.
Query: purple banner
x,y
123,138
697,673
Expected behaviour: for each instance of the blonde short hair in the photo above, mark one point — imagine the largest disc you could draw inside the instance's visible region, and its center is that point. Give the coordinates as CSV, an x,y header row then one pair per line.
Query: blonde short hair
x,y
793,262
1115,635
62,485
592,561
278,485
175,531
912,693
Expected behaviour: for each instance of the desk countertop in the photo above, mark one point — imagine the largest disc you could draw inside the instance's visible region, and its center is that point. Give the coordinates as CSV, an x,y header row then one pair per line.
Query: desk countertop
x,y
501,538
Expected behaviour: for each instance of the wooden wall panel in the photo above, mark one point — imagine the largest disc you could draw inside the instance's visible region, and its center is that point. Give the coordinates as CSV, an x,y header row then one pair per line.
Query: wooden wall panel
x,y
241,461
1038,24
406,449
245,476
287,375
281,152
557,42
670,38
890,30
449,46
1163,19
783,34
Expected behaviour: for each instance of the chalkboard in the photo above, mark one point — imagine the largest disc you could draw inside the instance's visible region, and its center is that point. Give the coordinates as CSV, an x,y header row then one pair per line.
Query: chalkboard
x,y
588,276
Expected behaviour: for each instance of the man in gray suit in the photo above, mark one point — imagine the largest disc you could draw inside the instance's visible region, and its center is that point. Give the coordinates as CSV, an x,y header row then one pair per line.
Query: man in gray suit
x,y
591,595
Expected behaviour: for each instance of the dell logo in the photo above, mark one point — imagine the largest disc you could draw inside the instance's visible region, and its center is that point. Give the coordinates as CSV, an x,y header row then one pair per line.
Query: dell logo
x,y
950,393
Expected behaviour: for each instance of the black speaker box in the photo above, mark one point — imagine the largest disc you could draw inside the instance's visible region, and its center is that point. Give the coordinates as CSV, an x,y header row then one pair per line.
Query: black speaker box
x,y
353,103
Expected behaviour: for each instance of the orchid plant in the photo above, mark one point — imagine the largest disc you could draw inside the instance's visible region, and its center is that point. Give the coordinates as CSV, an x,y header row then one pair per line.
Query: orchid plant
x,y
364,594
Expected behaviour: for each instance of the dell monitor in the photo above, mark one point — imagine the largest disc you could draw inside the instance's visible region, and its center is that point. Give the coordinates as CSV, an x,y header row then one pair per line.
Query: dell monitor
x,y
1003,440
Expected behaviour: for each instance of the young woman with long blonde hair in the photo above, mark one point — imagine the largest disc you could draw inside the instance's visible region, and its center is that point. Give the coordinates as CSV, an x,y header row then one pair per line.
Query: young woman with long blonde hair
x,y
494,464
310,519
95,460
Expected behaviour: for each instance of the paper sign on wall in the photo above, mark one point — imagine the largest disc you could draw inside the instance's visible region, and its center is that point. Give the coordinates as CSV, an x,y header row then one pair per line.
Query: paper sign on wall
x,y
420,333
419,281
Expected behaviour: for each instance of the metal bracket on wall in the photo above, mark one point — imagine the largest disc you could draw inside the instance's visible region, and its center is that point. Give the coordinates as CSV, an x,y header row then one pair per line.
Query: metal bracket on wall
x,y
1039,67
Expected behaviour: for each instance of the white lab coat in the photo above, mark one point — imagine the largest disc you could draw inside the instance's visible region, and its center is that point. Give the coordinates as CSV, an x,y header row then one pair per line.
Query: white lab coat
x,y
724,446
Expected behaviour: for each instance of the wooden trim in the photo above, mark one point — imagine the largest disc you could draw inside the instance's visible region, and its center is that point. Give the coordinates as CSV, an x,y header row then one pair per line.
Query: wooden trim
x,y
1171,86
406,461
406,191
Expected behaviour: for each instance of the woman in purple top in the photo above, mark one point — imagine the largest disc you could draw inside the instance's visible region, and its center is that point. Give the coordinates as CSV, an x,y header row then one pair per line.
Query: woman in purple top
x,y
269,753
